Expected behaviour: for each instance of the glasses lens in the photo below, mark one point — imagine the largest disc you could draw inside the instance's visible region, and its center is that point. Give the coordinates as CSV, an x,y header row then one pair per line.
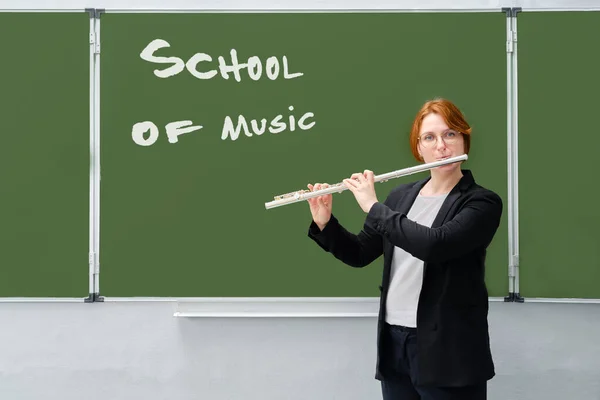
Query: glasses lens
x,y
429,139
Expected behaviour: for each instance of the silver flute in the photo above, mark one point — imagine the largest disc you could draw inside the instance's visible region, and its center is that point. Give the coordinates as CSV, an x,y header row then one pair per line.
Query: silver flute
x,y
300,195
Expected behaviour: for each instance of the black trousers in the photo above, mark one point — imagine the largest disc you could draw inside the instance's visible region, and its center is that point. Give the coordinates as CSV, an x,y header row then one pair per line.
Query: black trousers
x,y
400,362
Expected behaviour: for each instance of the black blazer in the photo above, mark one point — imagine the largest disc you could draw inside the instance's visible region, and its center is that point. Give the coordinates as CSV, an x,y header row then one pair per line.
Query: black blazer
x,y
452,327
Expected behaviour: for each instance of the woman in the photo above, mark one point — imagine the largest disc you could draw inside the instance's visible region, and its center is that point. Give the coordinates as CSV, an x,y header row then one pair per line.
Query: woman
x,y
433,340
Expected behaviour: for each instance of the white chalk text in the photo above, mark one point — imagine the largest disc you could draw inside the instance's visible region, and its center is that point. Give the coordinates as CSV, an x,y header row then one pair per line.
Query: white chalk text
x,y
173,130
146,133
256,68
277,125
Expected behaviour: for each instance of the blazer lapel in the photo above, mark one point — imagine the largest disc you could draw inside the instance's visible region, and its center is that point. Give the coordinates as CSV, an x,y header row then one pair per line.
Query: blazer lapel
x,y
405,202
446,207
454,195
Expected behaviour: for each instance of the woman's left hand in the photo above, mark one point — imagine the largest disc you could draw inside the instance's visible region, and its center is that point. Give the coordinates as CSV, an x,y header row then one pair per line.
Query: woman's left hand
x,y
363,188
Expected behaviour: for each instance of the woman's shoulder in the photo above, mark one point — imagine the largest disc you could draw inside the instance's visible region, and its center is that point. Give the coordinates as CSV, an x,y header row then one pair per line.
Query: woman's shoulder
x,y
483,197
483,191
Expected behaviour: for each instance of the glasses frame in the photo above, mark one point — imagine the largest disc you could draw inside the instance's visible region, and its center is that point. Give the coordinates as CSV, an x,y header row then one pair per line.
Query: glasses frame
x,y
437,137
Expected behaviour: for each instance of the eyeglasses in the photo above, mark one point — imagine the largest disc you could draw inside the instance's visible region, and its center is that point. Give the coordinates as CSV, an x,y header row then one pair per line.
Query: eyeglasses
x,y
429,139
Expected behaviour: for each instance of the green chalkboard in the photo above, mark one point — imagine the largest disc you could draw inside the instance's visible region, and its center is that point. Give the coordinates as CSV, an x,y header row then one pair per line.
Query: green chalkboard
x,y
559,84
44,154
188,218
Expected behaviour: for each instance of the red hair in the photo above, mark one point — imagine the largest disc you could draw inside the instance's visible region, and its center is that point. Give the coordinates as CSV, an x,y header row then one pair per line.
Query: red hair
x,y
451,115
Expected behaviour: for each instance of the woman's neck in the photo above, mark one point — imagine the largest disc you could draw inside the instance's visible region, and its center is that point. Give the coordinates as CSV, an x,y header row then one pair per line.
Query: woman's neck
x,y
441,183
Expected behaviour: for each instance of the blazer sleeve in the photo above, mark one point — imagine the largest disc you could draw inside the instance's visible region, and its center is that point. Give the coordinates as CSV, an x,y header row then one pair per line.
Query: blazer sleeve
x,y
354,250
474,226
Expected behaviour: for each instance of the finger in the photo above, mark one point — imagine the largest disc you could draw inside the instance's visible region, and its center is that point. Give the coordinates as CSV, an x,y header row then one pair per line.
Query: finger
x,y
311,200
369,175
314,188
351,183
357,177
319,199
326,197
321,187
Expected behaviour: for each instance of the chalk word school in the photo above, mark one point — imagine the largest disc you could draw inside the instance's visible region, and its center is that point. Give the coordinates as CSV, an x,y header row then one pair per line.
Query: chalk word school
x,y
273,69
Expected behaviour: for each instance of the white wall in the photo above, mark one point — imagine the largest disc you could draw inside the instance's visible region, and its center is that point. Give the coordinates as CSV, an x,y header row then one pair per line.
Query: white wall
x,y
138,350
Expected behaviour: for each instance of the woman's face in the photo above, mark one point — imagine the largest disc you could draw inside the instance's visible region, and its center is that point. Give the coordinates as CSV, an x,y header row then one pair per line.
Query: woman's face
x,y
437,142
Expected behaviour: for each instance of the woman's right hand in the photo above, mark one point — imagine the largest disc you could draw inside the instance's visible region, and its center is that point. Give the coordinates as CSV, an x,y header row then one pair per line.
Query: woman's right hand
x,y
320,206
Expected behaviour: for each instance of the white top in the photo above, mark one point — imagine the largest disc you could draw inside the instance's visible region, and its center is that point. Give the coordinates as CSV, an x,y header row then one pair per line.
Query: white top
x,y
406,276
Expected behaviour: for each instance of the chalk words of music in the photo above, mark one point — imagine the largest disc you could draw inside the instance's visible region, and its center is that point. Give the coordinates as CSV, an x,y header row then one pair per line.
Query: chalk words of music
x,y
146,133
